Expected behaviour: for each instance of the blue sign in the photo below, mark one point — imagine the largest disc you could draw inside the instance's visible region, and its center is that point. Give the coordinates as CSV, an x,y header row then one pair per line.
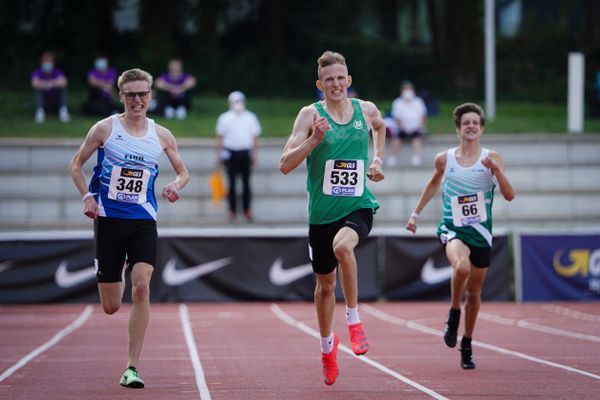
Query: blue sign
x,y
560,267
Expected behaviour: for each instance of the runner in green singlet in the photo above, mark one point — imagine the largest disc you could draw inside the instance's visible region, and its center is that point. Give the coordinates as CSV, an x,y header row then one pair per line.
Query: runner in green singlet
x,y
332,135
470,174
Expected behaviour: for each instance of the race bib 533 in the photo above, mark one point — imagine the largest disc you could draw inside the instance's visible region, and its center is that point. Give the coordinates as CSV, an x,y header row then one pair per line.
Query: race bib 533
x,y
344,178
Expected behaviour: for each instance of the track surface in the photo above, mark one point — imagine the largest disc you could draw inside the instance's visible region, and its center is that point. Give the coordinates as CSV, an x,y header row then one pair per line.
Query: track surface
x,y
271,351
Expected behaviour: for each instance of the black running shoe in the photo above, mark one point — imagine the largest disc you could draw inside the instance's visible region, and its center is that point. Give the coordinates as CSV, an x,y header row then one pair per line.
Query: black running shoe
x,y
466,358
451,329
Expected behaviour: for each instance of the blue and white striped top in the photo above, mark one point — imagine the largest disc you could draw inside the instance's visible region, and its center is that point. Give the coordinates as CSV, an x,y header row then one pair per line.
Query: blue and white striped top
x,y
127,167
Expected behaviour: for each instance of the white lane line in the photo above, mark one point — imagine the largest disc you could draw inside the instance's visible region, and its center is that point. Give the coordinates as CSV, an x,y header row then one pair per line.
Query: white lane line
x,y
310,331
521,323
184,316
569,312
422,328
72,327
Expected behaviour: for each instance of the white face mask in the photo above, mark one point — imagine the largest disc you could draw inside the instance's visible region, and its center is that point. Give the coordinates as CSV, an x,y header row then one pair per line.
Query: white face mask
x,y
47,66
408,94
238,106
101,64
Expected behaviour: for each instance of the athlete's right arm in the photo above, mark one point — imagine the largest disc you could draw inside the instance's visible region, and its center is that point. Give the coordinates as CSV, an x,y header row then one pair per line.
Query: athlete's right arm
x,y
429,190
308,131
95,138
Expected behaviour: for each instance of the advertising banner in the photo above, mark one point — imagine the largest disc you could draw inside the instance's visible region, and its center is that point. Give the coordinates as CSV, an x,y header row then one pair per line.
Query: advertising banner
x,y
416,268
239,268
188,269
559,267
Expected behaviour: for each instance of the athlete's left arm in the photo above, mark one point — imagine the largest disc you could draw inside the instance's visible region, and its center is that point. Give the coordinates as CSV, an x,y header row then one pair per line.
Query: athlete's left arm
x,y
375,120
169,145
495,163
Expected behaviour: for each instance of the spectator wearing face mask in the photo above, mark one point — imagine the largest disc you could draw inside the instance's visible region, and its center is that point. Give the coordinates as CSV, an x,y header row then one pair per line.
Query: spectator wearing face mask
x,y
174,86
50,89
102,81
237,142
407,123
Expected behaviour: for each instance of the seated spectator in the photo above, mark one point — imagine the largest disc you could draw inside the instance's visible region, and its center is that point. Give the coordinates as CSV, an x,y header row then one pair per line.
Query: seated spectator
x,y
102,81
50,89
174,97
407,123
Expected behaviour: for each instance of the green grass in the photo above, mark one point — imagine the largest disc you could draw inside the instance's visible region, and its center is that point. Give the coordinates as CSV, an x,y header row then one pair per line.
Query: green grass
x,y
275,114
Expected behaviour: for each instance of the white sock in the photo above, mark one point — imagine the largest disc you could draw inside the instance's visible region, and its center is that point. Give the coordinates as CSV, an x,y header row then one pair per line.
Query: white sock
x,y
327,344
352,315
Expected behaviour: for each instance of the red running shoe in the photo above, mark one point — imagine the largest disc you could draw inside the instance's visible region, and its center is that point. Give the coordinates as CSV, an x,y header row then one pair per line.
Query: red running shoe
x,y
358,339
330,365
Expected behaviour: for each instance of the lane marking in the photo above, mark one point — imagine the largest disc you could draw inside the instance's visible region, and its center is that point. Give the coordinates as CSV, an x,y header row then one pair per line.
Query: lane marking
x,y
72,327
521,323
311,332
422,328
184,316
569,312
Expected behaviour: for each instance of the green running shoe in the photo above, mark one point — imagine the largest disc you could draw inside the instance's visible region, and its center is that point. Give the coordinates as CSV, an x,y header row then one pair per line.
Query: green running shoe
x,y
131,379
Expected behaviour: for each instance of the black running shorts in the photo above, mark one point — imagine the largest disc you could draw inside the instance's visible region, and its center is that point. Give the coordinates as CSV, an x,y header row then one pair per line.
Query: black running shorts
x,y
480,257
320,238
117,240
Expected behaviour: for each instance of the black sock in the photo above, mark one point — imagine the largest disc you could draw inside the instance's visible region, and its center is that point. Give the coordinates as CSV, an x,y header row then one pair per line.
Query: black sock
x,y
454,314
465,343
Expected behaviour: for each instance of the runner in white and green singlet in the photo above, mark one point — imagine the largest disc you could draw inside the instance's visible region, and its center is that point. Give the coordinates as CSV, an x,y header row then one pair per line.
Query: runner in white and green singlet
x,y
333,137
469,174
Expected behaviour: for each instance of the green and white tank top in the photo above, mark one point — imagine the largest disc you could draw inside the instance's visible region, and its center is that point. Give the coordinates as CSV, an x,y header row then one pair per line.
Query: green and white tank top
x,y
336,181
467,197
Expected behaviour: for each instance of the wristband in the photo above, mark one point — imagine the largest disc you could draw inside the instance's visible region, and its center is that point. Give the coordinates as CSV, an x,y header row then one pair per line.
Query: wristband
x,y
377,159
87,195
414,215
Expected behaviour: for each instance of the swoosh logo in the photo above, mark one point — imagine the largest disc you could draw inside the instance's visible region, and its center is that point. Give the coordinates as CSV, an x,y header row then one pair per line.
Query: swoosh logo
x,y
6,265
432,276
175,277
67,279
281,277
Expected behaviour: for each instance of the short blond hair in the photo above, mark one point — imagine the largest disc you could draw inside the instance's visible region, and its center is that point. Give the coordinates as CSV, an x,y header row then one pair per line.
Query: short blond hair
x,y
134,74
330,58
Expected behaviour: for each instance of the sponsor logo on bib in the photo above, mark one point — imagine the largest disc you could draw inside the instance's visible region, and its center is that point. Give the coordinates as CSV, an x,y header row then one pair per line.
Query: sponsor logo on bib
x,y
132,173
345,164
343,191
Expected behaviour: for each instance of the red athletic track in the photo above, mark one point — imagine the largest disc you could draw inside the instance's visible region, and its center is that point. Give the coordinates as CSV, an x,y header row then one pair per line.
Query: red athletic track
x,y
257,351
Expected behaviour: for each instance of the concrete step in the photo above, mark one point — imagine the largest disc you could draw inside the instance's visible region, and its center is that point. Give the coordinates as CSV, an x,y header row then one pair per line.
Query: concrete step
x,y
556,177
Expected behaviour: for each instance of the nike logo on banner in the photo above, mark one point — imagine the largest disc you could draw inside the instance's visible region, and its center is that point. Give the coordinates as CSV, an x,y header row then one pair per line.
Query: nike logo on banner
x,y
6,265
67,279
281,277
175,277
432,276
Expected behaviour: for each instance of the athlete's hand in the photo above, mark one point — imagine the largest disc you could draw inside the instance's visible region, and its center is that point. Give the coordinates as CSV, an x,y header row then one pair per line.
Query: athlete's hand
x,y
411,225
90,207
375,173
490,164
170,192
320,127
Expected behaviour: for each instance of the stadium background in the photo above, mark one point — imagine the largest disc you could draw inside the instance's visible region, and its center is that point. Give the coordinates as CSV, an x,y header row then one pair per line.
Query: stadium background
x,y
242,285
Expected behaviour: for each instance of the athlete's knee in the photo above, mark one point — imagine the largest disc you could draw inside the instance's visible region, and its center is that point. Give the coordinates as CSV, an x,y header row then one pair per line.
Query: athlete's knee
x,y
324,288
343,251
462,268
110,307
140,292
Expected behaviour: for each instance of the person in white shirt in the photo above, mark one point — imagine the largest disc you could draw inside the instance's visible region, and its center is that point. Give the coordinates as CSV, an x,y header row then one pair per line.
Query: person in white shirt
x,y
237,143
407,123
